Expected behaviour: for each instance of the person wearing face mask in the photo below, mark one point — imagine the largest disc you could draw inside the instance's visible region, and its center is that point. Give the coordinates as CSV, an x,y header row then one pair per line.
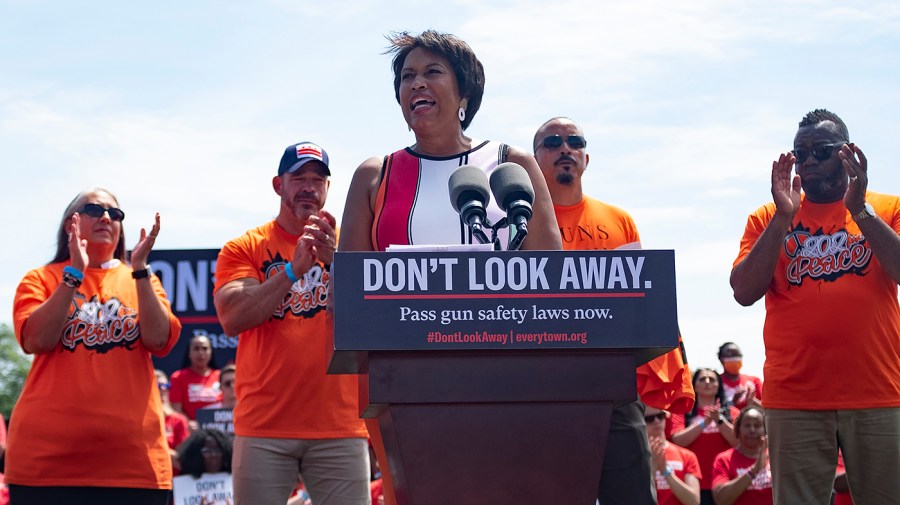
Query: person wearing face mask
x,y
740,390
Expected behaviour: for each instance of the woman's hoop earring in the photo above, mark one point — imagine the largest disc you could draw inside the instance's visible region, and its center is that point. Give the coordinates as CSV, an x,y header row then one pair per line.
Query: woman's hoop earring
x,y
462,109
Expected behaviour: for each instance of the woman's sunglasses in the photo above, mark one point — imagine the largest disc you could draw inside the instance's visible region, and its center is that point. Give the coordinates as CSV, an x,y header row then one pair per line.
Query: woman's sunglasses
x,y
821,153
96,211
655,417
556,141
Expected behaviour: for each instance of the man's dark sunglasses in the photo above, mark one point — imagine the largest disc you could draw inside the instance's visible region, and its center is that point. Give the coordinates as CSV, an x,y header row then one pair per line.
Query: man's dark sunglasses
x,y
821,153
555,141
95,210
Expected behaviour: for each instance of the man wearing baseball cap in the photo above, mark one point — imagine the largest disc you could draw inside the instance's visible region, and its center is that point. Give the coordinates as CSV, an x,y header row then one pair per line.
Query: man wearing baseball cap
x,y
272,288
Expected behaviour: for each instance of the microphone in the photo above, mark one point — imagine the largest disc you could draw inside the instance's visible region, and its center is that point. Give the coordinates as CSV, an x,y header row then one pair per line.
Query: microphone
x,y
470,195
514,193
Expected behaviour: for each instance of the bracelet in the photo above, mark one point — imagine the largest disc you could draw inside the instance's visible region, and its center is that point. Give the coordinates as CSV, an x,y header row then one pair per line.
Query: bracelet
x,y
70,280
289,271
751,474
74,272
668,472
702,423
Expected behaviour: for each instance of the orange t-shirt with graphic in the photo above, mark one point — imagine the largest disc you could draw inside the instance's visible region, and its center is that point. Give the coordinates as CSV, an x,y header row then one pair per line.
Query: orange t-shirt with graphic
x,y
832,330
664,382
90,412
283,389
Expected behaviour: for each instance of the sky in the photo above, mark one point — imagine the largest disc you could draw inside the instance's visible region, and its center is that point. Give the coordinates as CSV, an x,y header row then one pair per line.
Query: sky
x,y
184,108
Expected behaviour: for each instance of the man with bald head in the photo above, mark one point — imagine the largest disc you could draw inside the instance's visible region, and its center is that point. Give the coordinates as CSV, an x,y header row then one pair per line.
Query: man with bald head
x,y
586,223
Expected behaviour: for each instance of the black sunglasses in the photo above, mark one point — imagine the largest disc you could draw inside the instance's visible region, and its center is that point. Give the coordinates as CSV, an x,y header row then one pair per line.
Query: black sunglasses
x,y
655,417
556,141
97,211
821,153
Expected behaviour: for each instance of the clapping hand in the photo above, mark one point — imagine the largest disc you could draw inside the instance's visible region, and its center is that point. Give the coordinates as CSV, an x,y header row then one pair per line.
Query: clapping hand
x,y
785,186
141,250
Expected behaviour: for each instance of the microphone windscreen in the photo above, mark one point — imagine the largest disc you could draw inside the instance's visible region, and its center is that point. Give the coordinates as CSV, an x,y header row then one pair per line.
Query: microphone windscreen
x,y
510,182
468,183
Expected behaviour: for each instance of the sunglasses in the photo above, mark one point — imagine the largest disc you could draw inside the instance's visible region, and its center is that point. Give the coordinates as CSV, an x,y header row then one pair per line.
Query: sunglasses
x,y
821,153
163,386
556,141
655,417
97,211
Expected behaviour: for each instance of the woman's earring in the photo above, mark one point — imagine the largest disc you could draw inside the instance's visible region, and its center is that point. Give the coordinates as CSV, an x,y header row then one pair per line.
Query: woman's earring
x,y
462,109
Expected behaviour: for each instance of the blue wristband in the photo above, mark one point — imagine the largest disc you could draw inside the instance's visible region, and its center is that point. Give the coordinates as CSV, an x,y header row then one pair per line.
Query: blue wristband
x,y
289,271
74,272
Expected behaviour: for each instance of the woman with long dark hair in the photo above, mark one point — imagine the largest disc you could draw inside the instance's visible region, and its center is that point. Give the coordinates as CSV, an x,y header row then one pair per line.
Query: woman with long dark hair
x,y
706,430
196,384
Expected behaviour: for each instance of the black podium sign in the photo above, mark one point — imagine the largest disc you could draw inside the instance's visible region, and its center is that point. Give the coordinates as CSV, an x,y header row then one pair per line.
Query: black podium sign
x,y
499,300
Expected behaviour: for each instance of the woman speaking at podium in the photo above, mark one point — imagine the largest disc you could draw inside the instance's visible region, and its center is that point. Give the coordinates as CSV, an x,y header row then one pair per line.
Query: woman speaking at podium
x,y
402,198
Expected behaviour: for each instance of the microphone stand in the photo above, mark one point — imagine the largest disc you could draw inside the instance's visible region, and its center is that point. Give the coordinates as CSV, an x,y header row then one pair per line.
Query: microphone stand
x,y
499,225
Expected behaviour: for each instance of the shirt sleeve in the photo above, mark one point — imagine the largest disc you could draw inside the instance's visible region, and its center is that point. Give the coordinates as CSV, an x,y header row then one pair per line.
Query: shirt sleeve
x,y
721,472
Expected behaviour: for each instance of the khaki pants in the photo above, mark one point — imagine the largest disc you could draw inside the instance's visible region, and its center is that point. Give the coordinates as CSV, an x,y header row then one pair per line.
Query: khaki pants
x,y
335,471
803,448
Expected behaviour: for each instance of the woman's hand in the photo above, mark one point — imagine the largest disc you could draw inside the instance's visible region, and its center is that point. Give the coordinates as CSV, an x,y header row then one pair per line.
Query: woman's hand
x,y
762,459
658,453
142,249
77,245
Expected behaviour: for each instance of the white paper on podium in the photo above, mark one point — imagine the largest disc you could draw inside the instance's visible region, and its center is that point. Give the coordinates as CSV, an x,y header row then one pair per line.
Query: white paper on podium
x,y
439,247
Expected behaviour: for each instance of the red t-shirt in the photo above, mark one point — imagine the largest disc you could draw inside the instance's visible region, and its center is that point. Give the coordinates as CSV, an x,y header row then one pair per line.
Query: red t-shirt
x,y
731,464
682,462
707,446
194,391
749,382
177,429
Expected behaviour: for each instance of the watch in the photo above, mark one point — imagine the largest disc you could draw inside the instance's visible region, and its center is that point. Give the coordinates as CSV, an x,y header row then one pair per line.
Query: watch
x,y
867,212
141,274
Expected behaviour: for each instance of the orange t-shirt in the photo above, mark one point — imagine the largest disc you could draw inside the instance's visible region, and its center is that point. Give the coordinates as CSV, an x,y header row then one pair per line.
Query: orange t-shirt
x,y
664,382
90,412
832,330
282,386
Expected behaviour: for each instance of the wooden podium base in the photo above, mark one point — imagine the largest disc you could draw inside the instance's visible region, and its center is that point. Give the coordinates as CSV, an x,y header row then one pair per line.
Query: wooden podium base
x,y
495,454
496,428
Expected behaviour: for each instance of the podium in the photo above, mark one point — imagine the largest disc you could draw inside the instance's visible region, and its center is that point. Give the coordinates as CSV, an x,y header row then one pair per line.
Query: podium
x,y
493,375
